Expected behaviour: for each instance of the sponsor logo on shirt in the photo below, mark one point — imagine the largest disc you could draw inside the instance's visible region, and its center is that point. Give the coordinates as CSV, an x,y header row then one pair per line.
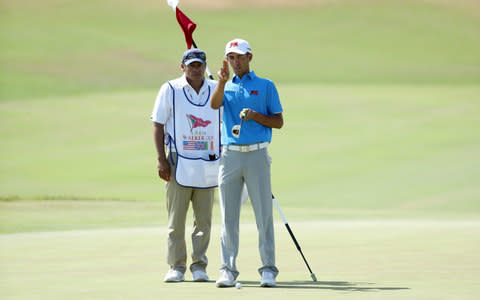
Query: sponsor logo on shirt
x,y
199,139
196,122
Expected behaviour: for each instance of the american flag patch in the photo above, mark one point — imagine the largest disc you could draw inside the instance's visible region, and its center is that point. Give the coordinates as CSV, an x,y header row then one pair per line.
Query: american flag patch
x,y
194,145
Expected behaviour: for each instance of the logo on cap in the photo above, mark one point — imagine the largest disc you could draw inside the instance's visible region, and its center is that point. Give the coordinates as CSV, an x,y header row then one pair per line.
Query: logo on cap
x,y
237,46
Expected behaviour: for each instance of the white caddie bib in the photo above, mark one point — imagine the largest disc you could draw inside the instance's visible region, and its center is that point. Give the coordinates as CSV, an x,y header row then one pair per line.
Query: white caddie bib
x,y
196,140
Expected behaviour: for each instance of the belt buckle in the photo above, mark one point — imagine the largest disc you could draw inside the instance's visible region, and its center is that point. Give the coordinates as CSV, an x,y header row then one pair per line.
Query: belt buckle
x,y
244,148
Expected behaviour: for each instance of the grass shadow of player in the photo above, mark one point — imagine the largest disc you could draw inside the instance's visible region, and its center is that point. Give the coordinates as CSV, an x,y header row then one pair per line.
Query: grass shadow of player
x,y
328,285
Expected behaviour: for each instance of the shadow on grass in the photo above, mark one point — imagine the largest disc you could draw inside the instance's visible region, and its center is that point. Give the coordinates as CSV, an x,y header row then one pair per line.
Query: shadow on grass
x,y
327,285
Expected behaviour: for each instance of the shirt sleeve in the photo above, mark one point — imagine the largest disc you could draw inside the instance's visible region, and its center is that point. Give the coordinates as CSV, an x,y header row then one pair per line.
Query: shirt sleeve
x,y
162,109
273,100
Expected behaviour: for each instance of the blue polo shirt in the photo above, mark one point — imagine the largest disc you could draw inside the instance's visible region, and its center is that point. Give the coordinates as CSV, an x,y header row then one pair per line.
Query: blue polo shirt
x,y
252,92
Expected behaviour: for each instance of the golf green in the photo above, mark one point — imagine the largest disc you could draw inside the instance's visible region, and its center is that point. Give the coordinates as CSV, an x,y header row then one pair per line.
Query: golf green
x,y
362,259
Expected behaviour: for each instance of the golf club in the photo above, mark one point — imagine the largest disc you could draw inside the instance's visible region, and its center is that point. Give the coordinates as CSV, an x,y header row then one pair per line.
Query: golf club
x,y
293,237
236,129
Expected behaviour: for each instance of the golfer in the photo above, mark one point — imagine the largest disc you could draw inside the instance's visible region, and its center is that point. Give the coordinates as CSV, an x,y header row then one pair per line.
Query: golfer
x,y
251,108
188,128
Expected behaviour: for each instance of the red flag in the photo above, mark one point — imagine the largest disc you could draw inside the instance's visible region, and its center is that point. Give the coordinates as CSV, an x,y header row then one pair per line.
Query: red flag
x,y
187,26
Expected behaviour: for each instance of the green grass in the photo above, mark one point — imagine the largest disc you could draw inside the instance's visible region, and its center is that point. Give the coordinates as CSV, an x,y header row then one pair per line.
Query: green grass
x,y
381,98
53,215
376,167
396,148
62,48
383,147
360,260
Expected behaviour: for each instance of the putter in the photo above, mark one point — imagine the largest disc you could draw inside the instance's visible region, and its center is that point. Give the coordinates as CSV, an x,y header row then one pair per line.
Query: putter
x,y
236,128
293,237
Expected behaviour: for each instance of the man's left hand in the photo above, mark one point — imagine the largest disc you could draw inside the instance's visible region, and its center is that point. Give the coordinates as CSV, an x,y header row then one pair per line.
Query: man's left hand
x,y
247,114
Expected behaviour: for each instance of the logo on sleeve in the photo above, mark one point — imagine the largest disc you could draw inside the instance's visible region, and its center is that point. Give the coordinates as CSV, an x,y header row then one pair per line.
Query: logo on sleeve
x,y
254,92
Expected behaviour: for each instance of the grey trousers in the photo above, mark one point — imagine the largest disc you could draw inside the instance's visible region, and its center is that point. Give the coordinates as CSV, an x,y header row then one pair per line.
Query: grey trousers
x,y
178,201
253,169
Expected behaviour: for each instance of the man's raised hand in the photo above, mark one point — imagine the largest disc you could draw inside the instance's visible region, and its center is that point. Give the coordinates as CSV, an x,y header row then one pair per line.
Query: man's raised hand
x,y
224,72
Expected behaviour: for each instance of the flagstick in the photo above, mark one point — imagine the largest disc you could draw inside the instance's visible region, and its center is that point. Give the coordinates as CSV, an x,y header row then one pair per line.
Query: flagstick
x,y
208,71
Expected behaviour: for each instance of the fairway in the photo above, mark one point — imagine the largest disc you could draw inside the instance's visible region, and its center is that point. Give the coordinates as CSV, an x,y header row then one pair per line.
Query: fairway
x,y
364,259
404,148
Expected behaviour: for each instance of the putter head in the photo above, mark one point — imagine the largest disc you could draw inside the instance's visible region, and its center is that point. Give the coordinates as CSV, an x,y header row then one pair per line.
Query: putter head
x,y
313,277
236,131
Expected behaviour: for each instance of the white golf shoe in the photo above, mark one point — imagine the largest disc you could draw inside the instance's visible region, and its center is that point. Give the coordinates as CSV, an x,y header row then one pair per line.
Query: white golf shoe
x,y
268,279
174,276
200,276
226,279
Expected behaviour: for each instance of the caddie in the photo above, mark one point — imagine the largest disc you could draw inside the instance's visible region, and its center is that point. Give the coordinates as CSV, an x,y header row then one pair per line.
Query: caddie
x,y
187,139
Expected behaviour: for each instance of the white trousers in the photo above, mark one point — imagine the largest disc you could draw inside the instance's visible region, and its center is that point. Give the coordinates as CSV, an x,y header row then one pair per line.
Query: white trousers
x,y
253,169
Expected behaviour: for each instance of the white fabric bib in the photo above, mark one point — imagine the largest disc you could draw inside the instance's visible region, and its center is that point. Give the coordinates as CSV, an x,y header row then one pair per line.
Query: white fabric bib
x,y
196,140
